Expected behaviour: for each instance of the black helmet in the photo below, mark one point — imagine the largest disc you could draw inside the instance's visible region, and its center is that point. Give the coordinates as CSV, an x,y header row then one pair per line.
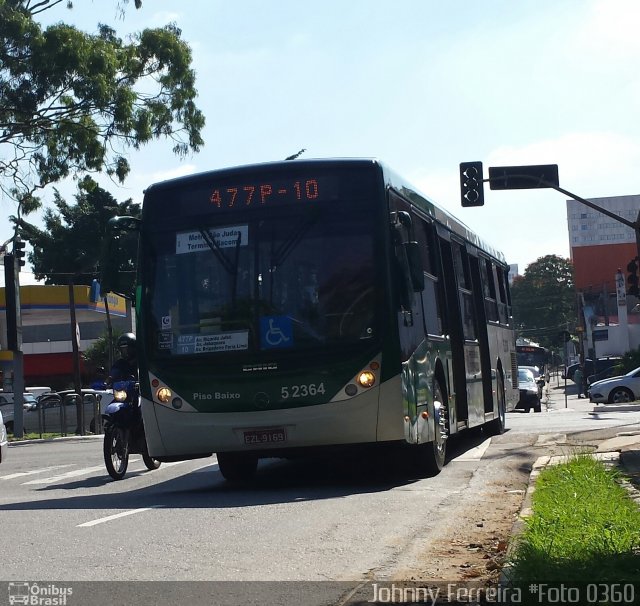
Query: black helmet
x,y
127,345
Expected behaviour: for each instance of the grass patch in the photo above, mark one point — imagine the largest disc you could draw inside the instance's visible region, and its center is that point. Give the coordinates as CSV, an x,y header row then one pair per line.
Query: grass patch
x,y
44,436
585,528
33,436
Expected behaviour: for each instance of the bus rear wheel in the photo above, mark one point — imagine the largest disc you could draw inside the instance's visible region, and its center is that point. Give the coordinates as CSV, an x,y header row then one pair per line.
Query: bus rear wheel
x,y
497,426
237,466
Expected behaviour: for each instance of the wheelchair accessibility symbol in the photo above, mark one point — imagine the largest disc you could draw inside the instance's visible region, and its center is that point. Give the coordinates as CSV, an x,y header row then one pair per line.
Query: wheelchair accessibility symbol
x,y
276,332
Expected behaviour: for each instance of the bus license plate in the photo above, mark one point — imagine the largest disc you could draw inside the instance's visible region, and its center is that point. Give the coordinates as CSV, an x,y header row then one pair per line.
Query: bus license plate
x,y
265,436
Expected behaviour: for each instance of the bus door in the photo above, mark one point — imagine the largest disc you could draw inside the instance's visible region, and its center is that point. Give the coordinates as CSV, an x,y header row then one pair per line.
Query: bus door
x,y
486,313
467,370
411,330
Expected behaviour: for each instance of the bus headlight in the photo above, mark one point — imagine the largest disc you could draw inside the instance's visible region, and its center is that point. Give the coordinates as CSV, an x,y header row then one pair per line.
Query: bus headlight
x,y
164,395
366,378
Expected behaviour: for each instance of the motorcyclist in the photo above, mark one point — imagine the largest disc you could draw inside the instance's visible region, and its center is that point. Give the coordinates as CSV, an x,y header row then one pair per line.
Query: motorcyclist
x,y
125,367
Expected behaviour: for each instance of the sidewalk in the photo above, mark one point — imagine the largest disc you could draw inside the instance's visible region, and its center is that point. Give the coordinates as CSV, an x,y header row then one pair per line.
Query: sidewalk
x,y
613,447
621,448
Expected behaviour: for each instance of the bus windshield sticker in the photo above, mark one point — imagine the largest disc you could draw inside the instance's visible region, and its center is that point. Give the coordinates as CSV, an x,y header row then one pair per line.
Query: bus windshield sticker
x,y
224,237
225,341
165,340
276,332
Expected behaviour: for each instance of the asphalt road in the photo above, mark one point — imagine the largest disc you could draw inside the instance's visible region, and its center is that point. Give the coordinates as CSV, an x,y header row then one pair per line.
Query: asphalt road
x,y
63,520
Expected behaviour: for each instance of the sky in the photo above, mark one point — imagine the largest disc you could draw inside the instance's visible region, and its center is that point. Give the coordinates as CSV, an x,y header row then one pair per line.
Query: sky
x,y
420,84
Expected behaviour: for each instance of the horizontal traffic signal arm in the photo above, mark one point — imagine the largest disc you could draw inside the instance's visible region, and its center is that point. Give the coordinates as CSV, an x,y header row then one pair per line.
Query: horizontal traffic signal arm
x,y
538,176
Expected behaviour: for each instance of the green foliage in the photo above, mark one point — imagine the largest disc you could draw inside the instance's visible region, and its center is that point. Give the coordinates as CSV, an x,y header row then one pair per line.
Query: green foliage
x,y
72,102
544,299
630,361
584,526
98,353
74,238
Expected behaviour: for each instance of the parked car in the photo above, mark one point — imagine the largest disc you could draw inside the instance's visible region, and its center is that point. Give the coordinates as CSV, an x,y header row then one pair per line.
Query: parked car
x,y
37,391
529,398
6,407
616,390
57,411
590,368
540,380
4,443
607,373
28,400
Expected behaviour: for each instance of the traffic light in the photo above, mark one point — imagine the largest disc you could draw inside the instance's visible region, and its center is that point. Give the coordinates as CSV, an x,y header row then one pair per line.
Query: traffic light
x,y
18,252
632,278
471,186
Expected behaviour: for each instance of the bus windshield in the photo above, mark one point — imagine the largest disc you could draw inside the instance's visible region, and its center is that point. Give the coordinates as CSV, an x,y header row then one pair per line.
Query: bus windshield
x,y
290,280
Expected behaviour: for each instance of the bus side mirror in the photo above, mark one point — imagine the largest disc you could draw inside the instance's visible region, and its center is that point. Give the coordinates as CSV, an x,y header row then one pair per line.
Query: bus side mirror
x,y
412,250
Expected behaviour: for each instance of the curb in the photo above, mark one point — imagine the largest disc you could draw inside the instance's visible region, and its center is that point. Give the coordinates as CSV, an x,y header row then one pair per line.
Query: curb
x,y
615,408
60,438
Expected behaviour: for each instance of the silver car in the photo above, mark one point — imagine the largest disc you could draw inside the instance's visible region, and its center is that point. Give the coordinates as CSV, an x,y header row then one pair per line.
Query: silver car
x,y
6,407
616,390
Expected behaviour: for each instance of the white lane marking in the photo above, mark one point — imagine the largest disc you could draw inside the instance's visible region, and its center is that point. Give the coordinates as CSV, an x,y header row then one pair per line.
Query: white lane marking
x,y
21,474
65,476
73,474
475,454
115,516
76,472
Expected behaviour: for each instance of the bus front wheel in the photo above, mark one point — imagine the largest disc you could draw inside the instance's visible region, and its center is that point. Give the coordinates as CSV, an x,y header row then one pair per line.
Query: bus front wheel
x,y
432,455
237,466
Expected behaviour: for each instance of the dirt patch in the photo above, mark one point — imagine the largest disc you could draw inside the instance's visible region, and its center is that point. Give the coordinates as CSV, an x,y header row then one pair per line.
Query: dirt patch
x,y
475,550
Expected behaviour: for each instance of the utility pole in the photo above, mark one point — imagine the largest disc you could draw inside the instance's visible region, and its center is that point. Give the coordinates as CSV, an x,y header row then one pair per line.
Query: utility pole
x,y
12,263
75,345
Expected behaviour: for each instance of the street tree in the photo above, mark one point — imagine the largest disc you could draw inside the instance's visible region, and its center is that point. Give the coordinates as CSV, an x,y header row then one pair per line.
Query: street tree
x,y
544,300
70,246
73,103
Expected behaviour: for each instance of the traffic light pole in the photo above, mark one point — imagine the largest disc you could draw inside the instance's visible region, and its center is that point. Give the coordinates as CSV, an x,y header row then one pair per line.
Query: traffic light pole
x,y
14,337
635,225
541,182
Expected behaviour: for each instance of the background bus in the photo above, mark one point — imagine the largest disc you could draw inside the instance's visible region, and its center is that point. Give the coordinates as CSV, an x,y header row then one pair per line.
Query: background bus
x,y
533,355
290,306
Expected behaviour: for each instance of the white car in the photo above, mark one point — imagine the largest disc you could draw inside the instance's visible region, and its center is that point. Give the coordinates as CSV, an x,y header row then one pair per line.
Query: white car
x,y
616,390
4,443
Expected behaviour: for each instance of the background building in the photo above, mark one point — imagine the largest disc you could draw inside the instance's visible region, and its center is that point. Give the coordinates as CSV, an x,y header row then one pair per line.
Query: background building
x,y
600,246
47,332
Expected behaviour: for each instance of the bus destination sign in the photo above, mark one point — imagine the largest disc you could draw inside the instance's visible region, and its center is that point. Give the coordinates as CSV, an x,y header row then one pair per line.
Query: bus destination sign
x,y
265,193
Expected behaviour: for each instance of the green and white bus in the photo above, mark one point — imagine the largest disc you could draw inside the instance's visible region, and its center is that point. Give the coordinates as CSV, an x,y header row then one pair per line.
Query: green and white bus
x,y
289,306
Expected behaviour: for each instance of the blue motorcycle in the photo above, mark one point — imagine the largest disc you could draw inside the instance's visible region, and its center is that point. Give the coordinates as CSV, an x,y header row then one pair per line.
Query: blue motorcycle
x,y
124,430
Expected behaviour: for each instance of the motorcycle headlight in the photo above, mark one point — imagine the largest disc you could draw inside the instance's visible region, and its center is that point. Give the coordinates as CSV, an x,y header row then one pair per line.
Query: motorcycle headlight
x,y
119,395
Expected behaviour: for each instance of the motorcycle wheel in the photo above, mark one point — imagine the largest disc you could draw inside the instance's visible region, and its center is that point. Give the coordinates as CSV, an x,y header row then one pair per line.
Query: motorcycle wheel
x,y
116,452
149,461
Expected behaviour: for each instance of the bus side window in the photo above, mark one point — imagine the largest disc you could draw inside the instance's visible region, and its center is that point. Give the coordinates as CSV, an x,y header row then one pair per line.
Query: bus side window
x,y
431,297
489,289
504,306
465,292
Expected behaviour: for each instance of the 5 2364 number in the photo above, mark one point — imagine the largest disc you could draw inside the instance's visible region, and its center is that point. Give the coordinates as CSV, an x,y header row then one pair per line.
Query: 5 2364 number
x,y
301,391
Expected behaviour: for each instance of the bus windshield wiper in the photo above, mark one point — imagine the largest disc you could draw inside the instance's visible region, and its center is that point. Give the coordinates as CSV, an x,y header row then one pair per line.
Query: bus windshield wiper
x,y
228,265
279,256
231,267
